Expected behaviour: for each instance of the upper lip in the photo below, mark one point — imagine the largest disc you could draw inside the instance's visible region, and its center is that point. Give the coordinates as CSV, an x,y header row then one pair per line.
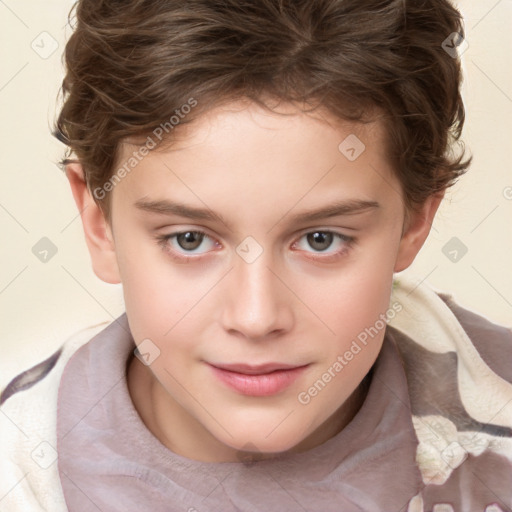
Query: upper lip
x,y
255,369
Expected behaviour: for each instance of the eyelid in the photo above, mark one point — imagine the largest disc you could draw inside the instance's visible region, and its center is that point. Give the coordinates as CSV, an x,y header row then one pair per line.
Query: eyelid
x,y
324,229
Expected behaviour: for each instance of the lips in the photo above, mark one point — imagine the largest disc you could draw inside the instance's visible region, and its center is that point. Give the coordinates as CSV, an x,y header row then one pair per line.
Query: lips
x,y
261,380
261,369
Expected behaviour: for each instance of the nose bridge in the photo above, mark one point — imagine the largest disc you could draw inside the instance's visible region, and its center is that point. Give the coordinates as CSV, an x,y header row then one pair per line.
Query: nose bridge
x,y
257,304
256,280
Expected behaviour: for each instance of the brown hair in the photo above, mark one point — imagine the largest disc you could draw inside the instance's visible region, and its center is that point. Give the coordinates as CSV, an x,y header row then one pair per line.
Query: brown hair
x,y
133,64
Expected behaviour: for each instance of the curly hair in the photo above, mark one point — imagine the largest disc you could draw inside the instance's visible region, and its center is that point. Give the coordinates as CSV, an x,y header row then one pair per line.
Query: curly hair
x,y
131,64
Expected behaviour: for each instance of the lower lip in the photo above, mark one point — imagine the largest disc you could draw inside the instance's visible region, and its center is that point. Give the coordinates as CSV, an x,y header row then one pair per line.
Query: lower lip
x,y
259,385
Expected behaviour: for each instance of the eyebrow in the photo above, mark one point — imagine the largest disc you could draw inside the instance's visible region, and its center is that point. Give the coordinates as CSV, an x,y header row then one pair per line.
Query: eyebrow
x,y
346,207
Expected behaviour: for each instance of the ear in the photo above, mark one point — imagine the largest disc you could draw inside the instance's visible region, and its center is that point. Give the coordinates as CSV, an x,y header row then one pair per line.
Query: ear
x,y
98,234
416,229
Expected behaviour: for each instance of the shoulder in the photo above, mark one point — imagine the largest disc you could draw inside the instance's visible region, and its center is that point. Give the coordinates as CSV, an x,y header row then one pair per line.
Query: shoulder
x,y
28,450
455,362
493,341
434,320
31,376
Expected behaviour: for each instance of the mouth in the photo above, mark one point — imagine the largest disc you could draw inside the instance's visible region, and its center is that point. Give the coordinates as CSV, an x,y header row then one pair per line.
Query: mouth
x,y
261,380
261,369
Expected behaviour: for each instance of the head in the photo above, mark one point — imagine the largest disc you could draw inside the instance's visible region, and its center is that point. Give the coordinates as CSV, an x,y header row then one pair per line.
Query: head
x,y
206,139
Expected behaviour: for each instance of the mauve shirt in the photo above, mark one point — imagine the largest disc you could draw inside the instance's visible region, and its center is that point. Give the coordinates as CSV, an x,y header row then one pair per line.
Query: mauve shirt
x,y
109,461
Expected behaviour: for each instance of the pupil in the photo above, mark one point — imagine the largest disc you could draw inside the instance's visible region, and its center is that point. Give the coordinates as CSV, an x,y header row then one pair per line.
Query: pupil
x,y
318,240
186,240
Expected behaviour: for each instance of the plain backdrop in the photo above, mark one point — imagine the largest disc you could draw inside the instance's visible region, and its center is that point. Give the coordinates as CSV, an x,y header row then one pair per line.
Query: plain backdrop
x,y
44,302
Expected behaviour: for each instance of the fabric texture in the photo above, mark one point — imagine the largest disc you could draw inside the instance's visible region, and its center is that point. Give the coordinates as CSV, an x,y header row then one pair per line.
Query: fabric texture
x,y
434,432
29,476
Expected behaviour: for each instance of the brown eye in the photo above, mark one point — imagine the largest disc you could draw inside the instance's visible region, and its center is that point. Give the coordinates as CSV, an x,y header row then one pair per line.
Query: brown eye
x,y
324,245
320,240
186,245
189,240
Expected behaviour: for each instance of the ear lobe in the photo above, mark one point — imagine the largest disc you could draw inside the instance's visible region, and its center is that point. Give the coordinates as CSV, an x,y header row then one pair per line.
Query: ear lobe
x,y
98,234
416,232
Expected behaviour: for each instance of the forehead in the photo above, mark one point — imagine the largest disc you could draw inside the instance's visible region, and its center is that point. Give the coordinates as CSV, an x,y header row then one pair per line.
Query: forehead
x,y
259,122
242,151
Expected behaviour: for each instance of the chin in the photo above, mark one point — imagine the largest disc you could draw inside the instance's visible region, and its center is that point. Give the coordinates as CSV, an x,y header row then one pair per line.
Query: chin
x,y
264,440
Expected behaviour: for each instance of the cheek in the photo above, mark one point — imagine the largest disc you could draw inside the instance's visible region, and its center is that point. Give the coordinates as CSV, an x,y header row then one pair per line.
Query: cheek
x,y
355,296
156,296
354,308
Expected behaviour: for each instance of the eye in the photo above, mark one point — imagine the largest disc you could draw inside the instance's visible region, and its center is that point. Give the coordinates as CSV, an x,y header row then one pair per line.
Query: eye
x,y
189,240
322,240
183,243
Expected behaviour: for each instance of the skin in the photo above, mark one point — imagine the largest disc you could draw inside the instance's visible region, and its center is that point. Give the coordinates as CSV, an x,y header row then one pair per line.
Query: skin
x,y
297,303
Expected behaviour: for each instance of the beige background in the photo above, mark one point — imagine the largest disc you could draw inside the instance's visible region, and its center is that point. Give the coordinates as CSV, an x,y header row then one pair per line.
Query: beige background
x,y
43,303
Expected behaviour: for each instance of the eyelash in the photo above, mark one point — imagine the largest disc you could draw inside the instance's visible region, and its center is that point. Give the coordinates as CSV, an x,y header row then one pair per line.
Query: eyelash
x,y
349,241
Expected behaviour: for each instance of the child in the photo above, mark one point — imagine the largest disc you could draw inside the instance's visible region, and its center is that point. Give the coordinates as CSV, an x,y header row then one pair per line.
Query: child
x,y
256,174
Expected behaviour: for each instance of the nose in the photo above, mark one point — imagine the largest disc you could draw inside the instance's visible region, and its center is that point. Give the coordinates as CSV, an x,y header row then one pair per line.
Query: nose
x,y
258,305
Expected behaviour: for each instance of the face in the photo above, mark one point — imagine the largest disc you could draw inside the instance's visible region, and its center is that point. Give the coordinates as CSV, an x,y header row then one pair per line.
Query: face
x,y
254,255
